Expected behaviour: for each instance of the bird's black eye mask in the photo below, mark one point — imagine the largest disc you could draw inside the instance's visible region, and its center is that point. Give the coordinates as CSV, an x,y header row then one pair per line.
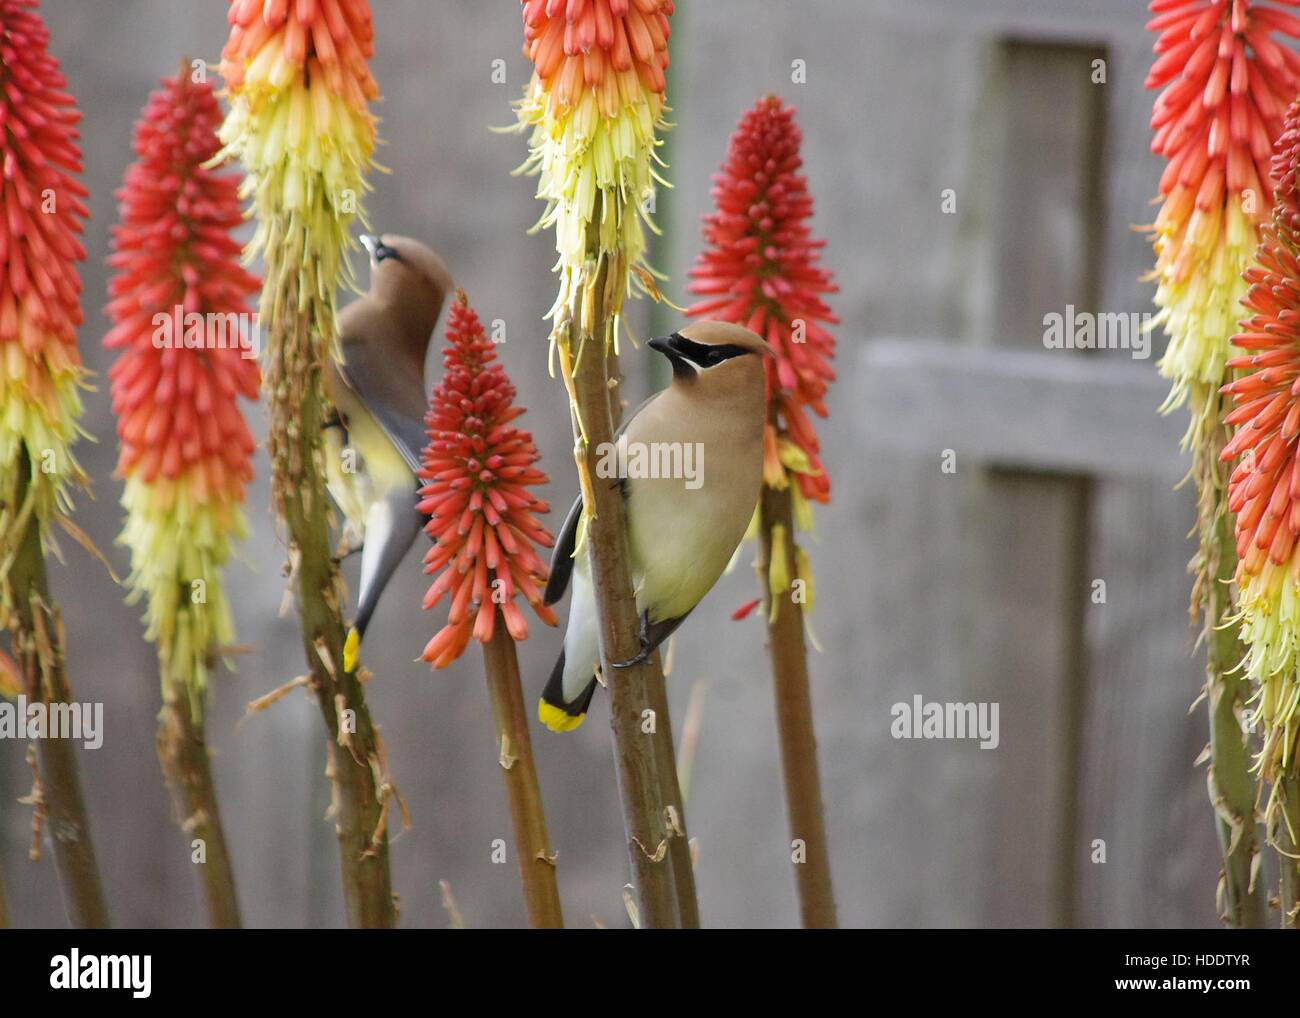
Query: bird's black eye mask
x,y
683,352
383,252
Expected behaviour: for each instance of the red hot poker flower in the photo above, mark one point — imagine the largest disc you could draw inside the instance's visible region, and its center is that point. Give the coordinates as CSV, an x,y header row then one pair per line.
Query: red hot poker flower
x,y
186,451
1225,81
41,214
761,270
479,469
174,251
1264,489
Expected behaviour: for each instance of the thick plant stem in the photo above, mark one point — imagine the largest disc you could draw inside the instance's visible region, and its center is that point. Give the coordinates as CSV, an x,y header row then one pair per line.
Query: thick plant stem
x,y
1288,854
679,846
1230,781
183,753
36,633
356,766
794,721
1231,784
637,754
515,754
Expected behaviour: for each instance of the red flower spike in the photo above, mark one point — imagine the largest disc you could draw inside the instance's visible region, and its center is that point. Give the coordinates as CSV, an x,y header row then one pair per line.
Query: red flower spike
x,y
1225,78
1264,487
174,249
760,269
41,215
181,319
607,46
478,470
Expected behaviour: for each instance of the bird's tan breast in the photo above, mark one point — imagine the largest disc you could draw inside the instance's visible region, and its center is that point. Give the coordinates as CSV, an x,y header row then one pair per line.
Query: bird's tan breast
x,y
683,530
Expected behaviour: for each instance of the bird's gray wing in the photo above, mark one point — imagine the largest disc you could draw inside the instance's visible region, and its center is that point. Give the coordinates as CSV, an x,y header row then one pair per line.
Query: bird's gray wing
x,y
391,528
562,555
392,390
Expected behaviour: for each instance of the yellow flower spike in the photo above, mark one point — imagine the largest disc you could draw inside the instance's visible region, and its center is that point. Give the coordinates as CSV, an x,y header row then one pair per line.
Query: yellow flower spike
x,y
594,105
300,123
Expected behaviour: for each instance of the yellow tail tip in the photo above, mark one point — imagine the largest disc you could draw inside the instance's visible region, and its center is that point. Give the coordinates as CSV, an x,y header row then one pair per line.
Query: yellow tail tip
x,y
557,719
351,650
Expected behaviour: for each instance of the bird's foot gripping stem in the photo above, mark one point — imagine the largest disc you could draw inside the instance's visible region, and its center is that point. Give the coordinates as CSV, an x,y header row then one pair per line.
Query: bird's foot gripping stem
x,y
647,646
344,552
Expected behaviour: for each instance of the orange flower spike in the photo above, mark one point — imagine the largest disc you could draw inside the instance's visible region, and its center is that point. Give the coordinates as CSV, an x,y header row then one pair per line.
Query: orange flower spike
x,y
186,451
42,212
1264,487
299,86
595,104
479,470
1225,83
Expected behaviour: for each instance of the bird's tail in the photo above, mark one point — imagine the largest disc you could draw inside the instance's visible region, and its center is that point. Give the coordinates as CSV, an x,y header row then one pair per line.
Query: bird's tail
x,y
554,713
391,526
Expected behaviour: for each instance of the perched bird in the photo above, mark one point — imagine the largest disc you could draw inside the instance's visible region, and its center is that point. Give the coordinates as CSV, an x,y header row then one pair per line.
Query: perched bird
x,y
376,433
682,530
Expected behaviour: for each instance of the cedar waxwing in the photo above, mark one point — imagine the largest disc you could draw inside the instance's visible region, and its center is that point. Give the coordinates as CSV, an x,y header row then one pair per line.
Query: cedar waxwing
x,y
376,434
682,530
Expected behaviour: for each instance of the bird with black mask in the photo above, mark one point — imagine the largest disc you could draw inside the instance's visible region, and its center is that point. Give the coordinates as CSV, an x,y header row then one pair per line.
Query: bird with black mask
x,y
682,530
375,434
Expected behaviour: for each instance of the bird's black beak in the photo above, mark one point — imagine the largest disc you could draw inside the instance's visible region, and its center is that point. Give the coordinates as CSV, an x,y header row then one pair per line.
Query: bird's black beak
x,y
379,251
666,345
671,347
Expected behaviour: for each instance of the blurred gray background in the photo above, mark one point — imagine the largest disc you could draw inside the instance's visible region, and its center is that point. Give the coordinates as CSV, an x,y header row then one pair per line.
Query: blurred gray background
x,y
972,585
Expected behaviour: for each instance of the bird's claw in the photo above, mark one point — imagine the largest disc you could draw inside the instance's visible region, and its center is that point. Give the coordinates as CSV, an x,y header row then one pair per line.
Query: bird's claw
x,y
344,552
646,648
643,656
